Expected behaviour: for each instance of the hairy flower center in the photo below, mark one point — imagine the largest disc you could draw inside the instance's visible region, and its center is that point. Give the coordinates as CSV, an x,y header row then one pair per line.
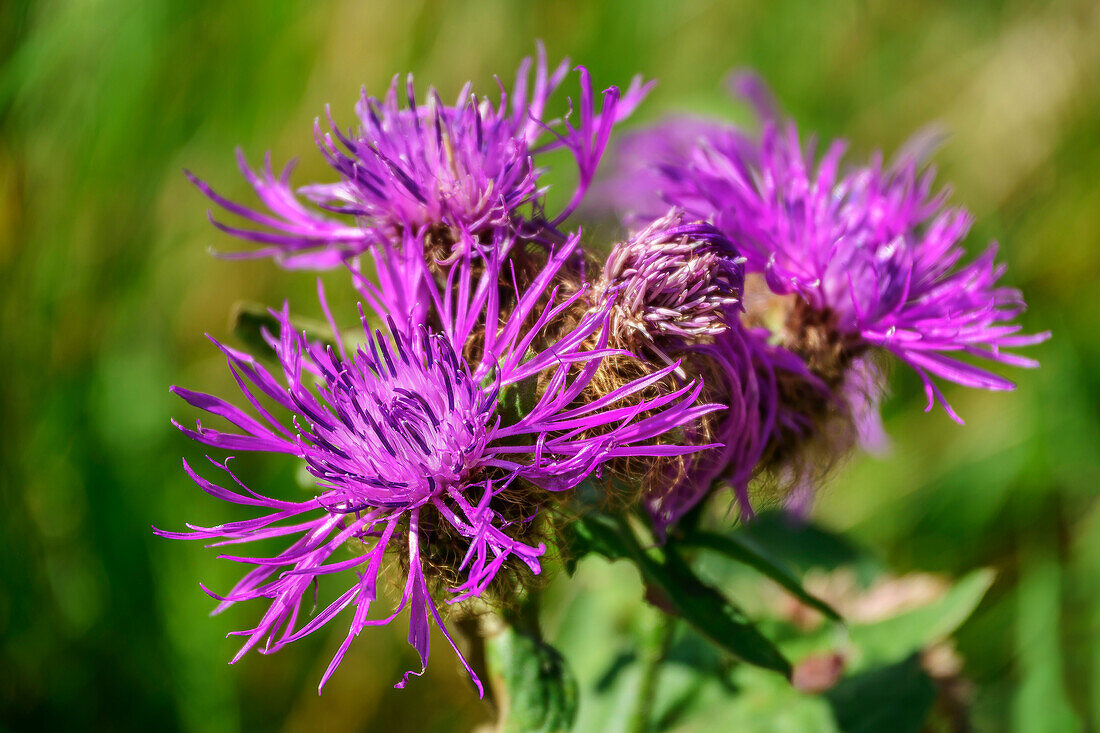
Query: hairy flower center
x,y
674,287
813,334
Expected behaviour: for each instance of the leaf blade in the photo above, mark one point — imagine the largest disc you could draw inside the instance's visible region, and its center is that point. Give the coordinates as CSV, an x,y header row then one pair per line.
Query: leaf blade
x,y
744,550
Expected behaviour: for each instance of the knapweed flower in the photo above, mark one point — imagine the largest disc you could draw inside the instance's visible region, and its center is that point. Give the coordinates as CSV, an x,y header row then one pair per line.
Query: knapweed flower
x,y
735,375
430,167
869,256
677,286
675,281
414,453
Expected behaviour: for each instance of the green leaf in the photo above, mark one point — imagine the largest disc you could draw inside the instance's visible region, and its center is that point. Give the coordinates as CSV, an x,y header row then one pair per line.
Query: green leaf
x,y
674,587
744,549
592,534
895,638
248,321
708,611
1042,703
539,691
895,698
805,546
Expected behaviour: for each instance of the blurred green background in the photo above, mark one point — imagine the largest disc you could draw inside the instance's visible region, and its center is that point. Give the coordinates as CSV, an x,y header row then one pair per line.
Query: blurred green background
x,y
108,287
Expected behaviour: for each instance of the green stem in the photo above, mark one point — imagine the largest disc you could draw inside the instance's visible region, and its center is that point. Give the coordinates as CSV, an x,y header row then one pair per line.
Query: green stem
x,y
654,645
653,652
523,618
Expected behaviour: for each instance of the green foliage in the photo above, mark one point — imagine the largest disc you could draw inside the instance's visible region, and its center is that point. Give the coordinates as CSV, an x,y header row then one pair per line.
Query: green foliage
x,y
672,586
742,548
883,684
896,697
592,534
676,587
806,545
539,691
895,638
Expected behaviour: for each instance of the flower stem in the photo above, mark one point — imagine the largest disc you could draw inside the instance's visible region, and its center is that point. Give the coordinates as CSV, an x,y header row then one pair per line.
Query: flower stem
x,y
654,649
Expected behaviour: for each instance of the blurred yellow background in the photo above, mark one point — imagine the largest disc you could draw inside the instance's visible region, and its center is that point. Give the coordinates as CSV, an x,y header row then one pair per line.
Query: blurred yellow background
x,y
108,287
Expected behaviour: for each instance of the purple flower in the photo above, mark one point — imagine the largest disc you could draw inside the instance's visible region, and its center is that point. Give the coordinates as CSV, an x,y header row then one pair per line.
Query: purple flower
x,y
412,166
871,254
677,286
409,445
633,182
734,375
675,281
641,161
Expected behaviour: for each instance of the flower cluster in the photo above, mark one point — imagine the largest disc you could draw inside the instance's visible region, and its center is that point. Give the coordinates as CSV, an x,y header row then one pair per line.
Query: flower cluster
x,y
488,378
404,433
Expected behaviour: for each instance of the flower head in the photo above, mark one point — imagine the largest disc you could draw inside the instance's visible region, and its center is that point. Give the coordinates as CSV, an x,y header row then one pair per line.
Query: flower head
x,y
871,255
673,280
635,178
411,450
430,166
733,366
676,287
